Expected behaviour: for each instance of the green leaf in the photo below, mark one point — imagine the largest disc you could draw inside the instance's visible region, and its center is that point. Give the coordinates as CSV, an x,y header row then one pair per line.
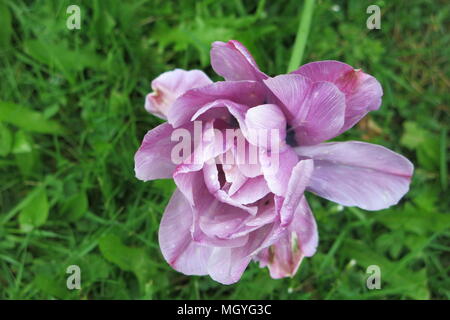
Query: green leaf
x,y
60,56
126,258
27,119
22,143
424,142
414,219
401,279
46,282
50,277
26,156
413,136
35,213
76,206
428,153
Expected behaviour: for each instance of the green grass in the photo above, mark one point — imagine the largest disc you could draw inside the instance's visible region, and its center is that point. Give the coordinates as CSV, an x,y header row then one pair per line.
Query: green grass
x,y
72,117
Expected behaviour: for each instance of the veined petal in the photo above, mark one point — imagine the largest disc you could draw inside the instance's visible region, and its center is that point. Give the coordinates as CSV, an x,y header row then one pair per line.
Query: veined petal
x,y
233,61
359,174
226,108
169,86
315,110
228,223
175,240
226,265
290,90
299,178
305,227
212,219
362,91
248,93
153,158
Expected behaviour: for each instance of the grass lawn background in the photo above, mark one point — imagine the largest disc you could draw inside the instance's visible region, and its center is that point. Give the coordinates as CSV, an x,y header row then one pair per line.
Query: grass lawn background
x,y
72,116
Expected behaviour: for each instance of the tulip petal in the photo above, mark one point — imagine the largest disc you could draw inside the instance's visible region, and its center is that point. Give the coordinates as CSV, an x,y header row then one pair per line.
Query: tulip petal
x,y
300,176
153,158
233,61
212,218
211,176
175,240
277,169
221,109
362,91
261,122
251,190
226,265
248,93
221,221
169,86
299,240
304,225
359,174
246,157
314,110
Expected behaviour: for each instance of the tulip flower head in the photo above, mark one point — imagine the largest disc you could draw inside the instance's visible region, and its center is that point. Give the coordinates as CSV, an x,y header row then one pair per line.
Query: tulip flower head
x,y
243,151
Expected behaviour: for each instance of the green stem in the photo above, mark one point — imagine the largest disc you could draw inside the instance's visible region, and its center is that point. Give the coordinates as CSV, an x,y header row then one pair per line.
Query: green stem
x,y
302,35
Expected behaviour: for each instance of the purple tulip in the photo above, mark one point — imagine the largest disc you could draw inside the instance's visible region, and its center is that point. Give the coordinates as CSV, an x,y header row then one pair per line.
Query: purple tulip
x,y
226,213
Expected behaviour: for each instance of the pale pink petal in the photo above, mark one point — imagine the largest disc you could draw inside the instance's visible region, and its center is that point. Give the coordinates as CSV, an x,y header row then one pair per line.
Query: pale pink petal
x,y
315,110
359,174
153,160
251,190
232,61
299,178
221,220
234,177
185,177
362,91
226,265
246,157
209,142
175,241
305,228
299,240
248,93
213,219
211,176
267,214
221,109
277,169
261,124
169,86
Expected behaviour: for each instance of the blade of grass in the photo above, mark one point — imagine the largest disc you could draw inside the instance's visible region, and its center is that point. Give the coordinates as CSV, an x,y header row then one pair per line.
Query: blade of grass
x,y
302,35
240,7
443,171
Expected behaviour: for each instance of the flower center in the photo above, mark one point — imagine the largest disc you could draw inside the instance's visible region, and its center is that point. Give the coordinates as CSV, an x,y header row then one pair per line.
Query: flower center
x,y
290,137
233,123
